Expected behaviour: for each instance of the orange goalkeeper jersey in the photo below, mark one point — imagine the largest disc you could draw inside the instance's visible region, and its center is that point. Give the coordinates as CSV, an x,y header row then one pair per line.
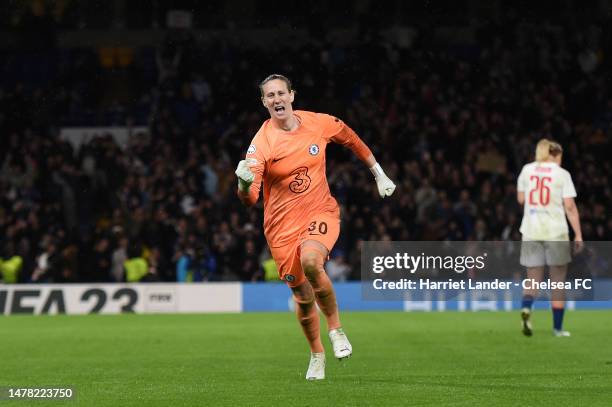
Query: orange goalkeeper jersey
x,y
291,165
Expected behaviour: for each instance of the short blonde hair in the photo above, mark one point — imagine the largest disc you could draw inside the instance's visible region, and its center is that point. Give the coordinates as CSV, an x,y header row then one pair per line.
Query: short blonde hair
x,y
547,148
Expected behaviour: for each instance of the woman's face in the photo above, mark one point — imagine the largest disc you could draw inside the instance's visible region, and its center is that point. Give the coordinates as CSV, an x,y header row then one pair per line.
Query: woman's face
x,y
277,99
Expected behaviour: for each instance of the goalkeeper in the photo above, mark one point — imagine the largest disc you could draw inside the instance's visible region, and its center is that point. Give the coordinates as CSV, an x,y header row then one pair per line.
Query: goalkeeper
x,y
301,218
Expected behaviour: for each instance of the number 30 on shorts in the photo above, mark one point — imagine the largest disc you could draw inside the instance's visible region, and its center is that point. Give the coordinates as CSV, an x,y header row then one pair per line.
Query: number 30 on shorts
x,y
317,228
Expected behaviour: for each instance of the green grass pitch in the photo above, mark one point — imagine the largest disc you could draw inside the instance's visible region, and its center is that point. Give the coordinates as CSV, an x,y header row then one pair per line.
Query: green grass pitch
x,y
259,359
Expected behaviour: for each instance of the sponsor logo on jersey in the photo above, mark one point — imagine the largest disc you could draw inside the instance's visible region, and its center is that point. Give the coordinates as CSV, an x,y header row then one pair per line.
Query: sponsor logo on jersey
x,y
314,149
301,180
251,149
290,278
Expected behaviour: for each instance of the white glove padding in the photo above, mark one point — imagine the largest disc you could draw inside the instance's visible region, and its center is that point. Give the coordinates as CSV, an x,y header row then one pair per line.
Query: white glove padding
x,y
244,174
384,184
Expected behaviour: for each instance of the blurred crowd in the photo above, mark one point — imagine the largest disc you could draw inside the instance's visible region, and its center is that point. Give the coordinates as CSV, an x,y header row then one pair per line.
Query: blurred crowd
x,y
451,125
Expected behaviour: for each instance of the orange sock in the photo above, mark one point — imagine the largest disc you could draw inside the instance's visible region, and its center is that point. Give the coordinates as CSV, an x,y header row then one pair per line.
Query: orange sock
x,y
323,289
308,316
326,298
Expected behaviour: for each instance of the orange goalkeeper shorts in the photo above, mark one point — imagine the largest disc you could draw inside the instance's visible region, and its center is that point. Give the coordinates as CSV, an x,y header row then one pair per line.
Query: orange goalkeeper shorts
x,y
323,228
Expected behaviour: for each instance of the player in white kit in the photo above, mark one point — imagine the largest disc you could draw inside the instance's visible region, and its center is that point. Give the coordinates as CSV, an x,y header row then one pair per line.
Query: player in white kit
x,y
547,194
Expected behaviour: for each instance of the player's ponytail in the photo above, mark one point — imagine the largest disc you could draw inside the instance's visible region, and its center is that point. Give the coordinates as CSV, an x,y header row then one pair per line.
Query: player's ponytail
x,y
542,150
547,148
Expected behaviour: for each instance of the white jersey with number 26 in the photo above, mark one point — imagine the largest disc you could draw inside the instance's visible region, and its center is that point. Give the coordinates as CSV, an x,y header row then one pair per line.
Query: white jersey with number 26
x,y
545,184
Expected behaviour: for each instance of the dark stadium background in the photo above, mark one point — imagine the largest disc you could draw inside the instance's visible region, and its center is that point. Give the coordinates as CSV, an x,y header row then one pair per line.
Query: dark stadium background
x,y
452,98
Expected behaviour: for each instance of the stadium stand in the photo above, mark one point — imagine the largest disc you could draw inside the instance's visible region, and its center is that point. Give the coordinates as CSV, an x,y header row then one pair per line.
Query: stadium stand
x,y
452,121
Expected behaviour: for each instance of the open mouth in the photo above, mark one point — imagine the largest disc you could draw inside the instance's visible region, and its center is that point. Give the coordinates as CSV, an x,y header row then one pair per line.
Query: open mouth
x,y
279,109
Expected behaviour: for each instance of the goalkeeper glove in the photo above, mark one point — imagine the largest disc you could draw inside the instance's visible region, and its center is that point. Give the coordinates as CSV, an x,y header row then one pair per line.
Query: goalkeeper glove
x,y
244,174
384,184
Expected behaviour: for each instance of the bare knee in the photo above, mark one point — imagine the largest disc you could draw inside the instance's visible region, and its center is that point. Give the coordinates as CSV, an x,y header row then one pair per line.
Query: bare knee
x,y
311,265
558,273
303,296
